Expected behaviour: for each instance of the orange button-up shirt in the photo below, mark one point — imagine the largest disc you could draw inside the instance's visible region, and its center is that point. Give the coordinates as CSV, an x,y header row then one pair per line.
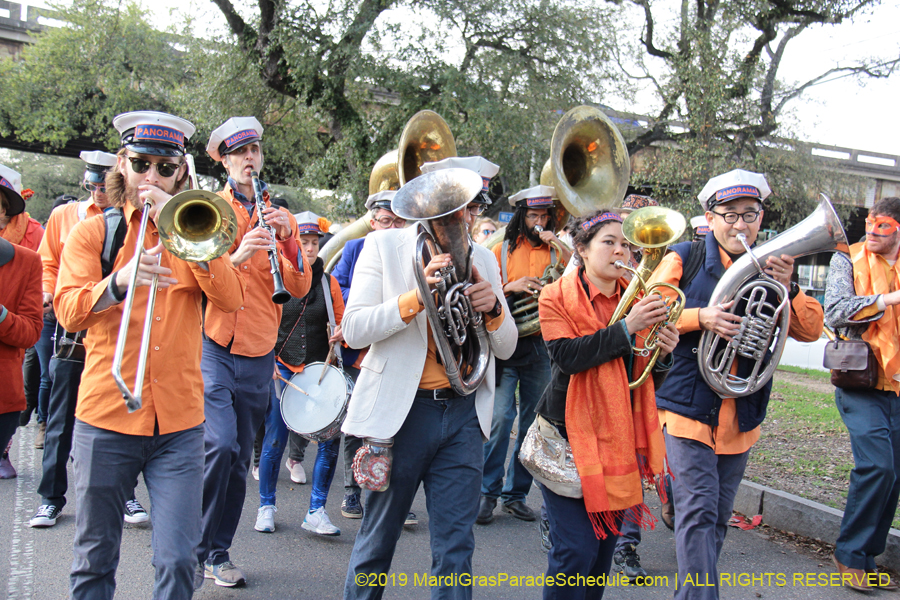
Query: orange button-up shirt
x,y
525,261
807,319
173,385
434,375
252,330
60,224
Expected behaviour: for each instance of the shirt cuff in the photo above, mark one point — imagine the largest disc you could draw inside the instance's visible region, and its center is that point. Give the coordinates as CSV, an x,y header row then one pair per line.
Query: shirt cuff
x,y
493,324
880,303
291,252
409,306
689,320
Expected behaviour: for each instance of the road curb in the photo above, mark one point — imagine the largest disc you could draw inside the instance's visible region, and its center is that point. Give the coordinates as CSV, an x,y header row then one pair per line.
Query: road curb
x,y
794,514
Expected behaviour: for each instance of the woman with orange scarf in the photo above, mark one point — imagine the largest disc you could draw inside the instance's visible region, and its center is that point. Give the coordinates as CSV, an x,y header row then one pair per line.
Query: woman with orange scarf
x,y
16,225
861,302
614,433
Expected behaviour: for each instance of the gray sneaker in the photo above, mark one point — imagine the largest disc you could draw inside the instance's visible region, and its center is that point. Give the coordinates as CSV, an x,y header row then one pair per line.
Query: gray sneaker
x,y
628,562
265,518
199,572
225,574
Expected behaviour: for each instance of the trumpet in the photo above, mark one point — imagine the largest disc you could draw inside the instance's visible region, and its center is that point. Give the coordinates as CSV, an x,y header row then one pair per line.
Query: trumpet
x,y
652,228
194,225
524,309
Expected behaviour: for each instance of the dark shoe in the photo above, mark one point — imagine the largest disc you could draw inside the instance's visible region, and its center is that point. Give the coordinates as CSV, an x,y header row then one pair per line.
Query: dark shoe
x,y
520,510
667,514
628,562
854,579
46,516
486,510
546,544
411,519
135,513
25,416
199,576
882,581
39,436
7,470
351,508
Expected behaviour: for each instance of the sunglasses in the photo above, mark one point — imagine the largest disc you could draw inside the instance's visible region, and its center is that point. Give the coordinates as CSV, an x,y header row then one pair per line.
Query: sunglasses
x,y
141,166
488,231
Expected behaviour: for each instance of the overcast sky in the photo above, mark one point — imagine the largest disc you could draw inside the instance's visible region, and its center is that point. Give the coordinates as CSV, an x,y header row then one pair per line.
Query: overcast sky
x,y
841,112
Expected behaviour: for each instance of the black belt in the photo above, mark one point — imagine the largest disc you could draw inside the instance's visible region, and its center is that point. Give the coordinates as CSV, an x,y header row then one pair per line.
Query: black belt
x,y
441,394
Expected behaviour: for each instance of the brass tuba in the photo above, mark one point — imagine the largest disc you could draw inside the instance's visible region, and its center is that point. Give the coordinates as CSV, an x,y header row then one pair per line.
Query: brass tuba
x,y
589,169
425,138
765,324
437,200
653,228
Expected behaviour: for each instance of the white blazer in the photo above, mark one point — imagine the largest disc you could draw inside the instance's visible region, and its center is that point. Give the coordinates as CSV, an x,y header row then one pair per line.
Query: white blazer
x,y
390,372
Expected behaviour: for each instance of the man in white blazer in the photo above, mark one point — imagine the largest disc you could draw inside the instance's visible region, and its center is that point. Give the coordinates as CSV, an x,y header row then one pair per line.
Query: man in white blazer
x,y
403,393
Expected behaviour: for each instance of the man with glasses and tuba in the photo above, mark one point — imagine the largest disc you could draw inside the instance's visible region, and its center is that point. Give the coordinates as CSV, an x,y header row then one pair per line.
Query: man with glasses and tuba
x,y
164,438
67,362
524,255
238,349
708,437
408,391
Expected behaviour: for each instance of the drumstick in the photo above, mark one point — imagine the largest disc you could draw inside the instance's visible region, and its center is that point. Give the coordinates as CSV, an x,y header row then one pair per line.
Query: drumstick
x,y
292,385
327,358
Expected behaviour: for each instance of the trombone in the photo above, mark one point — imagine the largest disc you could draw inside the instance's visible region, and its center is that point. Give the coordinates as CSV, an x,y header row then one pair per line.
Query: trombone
x,y
194,225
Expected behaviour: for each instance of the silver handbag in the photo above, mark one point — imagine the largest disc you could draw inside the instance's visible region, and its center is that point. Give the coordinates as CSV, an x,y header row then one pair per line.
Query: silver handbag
x,y
548,457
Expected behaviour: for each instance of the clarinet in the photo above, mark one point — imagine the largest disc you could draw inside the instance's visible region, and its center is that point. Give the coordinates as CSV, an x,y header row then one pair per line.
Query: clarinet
x,y
280,295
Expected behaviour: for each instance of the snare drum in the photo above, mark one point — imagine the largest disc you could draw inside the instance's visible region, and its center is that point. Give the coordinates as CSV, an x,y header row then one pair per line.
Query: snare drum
x,y
317,414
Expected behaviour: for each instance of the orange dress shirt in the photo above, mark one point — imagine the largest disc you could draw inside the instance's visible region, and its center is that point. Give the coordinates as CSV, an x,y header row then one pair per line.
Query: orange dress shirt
x,y
337,303
525,261
253,329
173,385
807,319
60,224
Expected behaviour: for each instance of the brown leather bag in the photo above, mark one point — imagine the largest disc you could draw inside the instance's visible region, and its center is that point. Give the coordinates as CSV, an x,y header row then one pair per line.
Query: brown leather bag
x,y
853,364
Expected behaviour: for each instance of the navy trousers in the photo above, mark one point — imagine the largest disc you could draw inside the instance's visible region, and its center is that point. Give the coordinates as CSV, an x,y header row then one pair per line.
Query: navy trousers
x,y
65,377
438,445
873,419
236,396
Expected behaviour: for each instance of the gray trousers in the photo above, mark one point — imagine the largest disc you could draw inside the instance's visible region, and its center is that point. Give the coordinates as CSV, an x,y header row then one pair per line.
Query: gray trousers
x,y
704,485
106,466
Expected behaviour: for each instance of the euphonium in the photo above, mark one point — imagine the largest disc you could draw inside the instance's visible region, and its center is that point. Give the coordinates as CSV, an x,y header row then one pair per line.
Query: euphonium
x,y
653,228
524,308
437,200
194,225
766,321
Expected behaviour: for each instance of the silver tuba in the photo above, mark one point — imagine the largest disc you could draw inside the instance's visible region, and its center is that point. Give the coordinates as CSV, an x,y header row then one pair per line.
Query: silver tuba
x,y
437,200
765,324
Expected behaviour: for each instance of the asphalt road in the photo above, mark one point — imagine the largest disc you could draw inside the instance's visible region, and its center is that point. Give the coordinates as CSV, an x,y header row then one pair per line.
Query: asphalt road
x,y
295,564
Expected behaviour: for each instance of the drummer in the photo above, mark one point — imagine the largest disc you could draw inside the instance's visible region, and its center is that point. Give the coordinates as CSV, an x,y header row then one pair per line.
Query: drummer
x,y
302,339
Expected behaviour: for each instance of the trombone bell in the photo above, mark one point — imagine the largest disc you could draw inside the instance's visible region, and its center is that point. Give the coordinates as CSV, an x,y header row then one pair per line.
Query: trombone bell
x,y
197,226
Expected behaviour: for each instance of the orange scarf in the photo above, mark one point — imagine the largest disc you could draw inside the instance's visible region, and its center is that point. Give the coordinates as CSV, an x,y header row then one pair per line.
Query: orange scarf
x,y
14,231
869,278
607,426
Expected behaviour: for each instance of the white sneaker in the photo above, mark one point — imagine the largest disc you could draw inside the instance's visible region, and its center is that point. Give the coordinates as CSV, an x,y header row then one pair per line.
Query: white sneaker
x,y
135,513
318,522
298,475
255,472
265,518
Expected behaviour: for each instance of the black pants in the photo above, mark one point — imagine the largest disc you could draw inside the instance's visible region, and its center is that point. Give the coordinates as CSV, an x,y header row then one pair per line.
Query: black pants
x,y
65,377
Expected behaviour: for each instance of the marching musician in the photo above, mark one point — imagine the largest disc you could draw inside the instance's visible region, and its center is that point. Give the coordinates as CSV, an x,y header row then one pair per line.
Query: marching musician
x,y
403,393
238,349
861,298
302,339
66,370
523,256
708,438
164,439
613,432
382,218
20,310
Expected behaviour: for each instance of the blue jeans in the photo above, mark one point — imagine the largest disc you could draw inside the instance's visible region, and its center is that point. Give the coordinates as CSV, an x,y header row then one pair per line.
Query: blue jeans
x,y
236,396
576,549
704,485
438,445
873,419
106,466
532,379
273,450
44,349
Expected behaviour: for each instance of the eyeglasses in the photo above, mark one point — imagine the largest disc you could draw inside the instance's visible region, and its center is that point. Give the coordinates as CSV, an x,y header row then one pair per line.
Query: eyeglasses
x,y
165,169
534,217
732,218
475,209
388,222
95,187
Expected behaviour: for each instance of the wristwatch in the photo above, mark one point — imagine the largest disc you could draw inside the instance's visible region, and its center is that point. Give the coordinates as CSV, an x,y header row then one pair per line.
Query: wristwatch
x,y
496,310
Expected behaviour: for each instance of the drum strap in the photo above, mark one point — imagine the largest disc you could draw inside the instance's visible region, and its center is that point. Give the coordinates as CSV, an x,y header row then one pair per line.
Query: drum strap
x,y
326,289
505,250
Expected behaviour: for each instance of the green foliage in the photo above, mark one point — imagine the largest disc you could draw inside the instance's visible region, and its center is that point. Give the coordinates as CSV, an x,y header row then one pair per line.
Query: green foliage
x,y
48,176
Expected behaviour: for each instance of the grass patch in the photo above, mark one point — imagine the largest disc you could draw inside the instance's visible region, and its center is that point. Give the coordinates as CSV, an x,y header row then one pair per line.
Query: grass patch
x,y
815,374
803,409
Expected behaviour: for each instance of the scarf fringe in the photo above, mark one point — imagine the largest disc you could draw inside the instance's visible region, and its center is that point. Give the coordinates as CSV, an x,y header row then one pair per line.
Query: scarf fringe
x,y
606,522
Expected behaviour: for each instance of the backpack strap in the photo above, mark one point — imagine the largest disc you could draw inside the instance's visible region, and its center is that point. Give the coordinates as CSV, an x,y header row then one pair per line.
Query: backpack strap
x,y
503,252
329,305
113,238
695,258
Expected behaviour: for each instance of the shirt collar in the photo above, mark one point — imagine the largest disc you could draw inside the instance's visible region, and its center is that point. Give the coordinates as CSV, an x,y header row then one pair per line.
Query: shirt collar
x,y
241,197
